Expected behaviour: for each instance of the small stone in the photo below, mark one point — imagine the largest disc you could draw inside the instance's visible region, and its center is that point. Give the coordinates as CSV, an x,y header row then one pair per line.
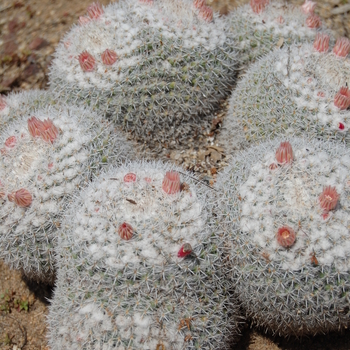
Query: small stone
x,y
215,156
38,43
213,171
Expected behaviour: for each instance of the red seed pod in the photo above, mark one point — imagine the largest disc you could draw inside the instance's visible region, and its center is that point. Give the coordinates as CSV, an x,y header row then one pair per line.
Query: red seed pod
x,y
321,43
285,236
185,250
313,21
206,13
130,177
95,10
11,142
171,182
341,126
22,198
342,98
86,61
258,6
328,198
308,7
342,47
125,231
284,153
44,129
109,57
198,3
3,103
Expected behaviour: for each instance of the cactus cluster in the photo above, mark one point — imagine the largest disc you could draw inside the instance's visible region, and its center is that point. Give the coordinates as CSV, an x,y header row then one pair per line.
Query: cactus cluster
x,y
288,205
46,155
157,68
139,268
260,26
294,90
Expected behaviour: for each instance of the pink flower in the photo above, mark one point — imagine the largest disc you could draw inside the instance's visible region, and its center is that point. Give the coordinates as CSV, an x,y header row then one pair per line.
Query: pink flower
x,y
328,198
308,7
185,250
44,129
171,182
342,47
342,98
321,43
11,142
313,21
86,61
258,6
109,57
83,20
206,13
95,10
285,236
125,231
22,198
284,153
3,103
130,177
198,3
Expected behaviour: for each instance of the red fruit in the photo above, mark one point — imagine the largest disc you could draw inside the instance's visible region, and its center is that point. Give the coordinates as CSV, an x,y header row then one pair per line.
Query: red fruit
x,y
86,61
125,231
22,198
206,13
95,10
258,6
285,236
313,21
342,47
44,129
171,182
341,126
321,43
284,153
185,250
109,57
130,177
11,142
328,198
342,98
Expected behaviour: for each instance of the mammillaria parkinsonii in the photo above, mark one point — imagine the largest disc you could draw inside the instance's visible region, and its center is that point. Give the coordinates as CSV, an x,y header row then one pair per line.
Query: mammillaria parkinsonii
x,y
138,268
46,155
291,247
294,90
155,67
263,25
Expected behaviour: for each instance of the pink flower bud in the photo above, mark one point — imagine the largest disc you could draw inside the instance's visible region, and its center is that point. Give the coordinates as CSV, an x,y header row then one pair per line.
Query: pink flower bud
x,y
308,7
198,3
83,20
185,250
285,236
342,47
328,198
206,13
171,182
313,21
109,57
258,6
87,62
284,153
130,177
146,2
125,231
95,10
3,103
44,129
342,98
11,142
280,20
321,43
22,198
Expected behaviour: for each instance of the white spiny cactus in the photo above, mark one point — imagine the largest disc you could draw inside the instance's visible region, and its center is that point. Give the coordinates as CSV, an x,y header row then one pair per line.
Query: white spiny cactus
x,y
288,205
139,268
46,155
